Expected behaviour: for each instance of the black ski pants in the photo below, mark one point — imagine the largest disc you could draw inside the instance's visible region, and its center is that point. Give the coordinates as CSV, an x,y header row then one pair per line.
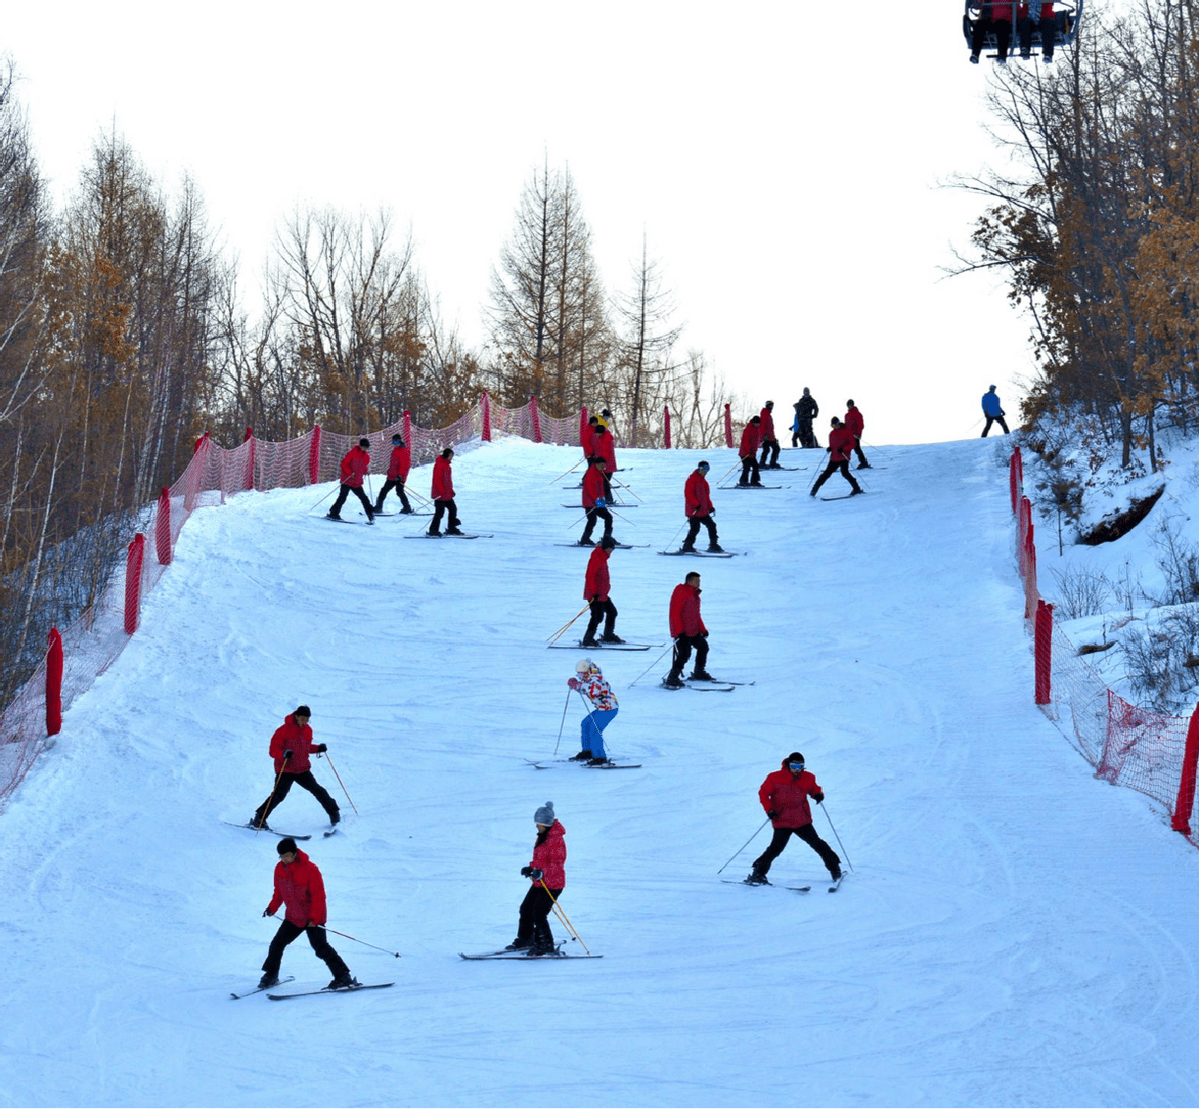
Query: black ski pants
x,y
807,438
750,474
694,529
770,453
844,466
601,610
389,485
807,833
306,781
994,420
320,945
683,651
862,458
533,922
344,492
440,509
594,514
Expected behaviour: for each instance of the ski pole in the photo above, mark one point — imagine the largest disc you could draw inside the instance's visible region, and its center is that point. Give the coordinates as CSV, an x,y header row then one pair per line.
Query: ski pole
x,y
652,665
554,638
267,807
564,474
344,935
562,722
837,837
322,500
592,717
729,471
816,479
747,843
341,783
622,485
561,915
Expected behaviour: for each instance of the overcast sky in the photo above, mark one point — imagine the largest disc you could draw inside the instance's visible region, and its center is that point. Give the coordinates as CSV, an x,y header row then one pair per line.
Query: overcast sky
x,y
783,160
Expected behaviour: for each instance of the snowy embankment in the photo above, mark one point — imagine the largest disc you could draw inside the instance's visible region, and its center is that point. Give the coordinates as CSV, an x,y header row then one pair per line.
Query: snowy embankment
x,y
1013,932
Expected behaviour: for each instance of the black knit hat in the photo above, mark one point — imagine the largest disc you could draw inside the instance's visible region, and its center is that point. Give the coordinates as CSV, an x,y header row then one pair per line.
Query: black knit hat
x,y
303,710
364,443
285,845
795,756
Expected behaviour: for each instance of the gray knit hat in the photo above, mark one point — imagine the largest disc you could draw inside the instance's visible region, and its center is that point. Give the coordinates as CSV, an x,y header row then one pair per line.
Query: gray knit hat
x,y
545,815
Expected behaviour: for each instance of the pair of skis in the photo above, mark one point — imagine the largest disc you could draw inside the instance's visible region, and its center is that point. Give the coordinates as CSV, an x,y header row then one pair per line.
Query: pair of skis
x,y
610,764
833,887
281,835
307,993
525,956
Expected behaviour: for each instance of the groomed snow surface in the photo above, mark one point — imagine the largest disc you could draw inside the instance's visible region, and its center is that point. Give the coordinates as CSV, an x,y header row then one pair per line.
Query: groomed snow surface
x,y
1014,932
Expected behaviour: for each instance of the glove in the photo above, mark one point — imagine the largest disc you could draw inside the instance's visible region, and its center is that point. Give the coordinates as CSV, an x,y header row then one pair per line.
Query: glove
x,y
601,502
287,755
266,912
772,814
526,871
320,748
704,635
535,874
573,683
818,797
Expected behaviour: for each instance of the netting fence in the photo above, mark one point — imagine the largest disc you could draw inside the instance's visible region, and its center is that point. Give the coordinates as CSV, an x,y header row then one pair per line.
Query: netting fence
x,y
1129,746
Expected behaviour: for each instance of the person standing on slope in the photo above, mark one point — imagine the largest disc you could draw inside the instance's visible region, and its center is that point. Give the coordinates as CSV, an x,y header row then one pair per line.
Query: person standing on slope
x,y
595,500
806,411
688,631
748,452
442,492
854,422
355,464
766,438
291,746
301,890
698,508
840,445
605,447
398,466
993,412
595,592
547,875
590,682
784,795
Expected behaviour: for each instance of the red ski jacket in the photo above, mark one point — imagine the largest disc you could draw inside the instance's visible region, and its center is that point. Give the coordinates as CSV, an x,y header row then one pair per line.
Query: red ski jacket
x,y
289,736
355,463
788,796
400,464
442,488
593,487
606,448
587,439
595,581
299,886
685,611
550,856
751,438
766,426
841,444
696,498
854,422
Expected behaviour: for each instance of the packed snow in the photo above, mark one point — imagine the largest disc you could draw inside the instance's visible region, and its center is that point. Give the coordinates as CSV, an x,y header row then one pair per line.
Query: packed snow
x,y
1012,931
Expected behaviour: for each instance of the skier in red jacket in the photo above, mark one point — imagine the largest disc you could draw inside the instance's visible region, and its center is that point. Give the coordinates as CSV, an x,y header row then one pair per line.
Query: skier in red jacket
x,y
854,422
698,508
995,16
301,890
841,443
595,500
604,446
291,745
688,630
748,452
767,438
442,492
784,795
595,592
398,466
355,464
547,876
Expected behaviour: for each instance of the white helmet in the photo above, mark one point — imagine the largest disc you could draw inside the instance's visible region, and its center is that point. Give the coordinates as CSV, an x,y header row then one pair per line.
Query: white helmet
x,y
584,665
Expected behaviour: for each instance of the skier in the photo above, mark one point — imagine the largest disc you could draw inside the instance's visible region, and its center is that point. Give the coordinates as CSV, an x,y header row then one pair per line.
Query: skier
x,y
784,795
590,682
398,466
595,592
291,745
806,411
442,492
301,890
595,500
587,436
1045,25
698,508
748,452
355,464
688,630
993,16
840,445
604,446
854,421
993,411
547,877
767,439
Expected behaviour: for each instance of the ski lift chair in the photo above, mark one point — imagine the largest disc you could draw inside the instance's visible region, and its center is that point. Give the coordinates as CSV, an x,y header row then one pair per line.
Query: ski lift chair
x,y
1067,15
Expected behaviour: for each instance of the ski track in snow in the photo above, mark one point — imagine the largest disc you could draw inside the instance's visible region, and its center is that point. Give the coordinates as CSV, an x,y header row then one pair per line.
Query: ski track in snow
x,y
1013,932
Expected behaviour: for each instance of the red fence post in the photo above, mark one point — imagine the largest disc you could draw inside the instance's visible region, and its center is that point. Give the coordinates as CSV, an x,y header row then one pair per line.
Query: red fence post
x,y
406,424
485,407
162,528
248,480
314,456
1016,478
728,428
133,582
1043,628
535,418
1181,820
54,672
666,428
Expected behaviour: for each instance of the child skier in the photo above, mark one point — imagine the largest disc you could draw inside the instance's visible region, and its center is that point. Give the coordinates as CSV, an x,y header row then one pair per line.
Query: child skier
x,y
590,682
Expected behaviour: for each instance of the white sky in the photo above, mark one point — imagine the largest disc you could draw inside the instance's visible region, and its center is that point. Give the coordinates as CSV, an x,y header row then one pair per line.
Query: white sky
x,y
782,159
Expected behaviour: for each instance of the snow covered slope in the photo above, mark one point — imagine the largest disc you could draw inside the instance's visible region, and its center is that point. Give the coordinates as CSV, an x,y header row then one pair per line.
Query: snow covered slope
x,y
1013,932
